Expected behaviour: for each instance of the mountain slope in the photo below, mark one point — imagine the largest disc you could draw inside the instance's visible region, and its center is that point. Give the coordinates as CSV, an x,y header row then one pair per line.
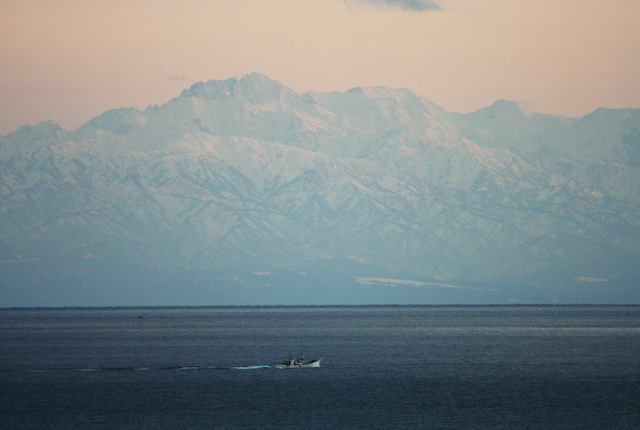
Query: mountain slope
x,y
246,176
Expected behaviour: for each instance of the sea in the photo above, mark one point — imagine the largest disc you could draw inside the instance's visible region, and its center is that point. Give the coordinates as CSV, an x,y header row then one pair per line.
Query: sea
x,y
383,367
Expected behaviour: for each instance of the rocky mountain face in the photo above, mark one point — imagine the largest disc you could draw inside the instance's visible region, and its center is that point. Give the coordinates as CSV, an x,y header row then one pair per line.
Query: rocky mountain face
x,y
245,192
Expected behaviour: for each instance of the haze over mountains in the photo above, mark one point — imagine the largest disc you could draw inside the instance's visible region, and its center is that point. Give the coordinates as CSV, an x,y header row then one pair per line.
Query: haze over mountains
x,y
245,192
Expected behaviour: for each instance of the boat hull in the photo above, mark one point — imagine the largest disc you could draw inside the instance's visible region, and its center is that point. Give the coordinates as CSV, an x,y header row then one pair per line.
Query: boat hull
x,y
313,363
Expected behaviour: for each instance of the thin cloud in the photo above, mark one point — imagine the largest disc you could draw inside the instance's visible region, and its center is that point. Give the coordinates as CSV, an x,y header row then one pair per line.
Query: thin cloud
x,y
412,5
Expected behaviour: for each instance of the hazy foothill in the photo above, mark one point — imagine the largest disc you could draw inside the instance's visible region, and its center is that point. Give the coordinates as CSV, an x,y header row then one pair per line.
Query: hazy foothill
x,y
242,191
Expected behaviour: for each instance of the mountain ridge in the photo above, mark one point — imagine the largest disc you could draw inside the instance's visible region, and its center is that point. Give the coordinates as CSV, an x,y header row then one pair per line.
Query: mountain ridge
x,y
245,175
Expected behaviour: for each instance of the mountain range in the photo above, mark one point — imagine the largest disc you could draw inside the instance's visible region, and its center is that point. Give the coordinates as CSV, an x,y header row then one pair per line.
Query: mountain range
x,y
242,191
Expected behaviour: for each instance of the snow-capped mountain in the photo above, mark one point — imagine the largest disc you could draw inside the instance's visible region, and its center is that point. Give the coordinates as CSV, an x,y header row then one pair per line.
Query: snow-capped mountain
x,y
213,196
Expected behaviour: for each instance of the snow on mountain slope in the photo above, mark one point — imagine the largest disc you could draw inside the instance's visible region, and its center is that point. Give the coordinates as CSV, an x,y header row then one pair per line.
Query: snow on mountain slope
x,y
601,150
609,135
246,175
507,124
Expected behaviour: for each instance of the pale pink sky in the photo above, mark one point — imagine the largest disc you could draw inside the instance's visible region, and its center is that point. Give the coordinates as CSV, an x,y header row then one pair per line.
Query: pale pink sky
x,y
70,60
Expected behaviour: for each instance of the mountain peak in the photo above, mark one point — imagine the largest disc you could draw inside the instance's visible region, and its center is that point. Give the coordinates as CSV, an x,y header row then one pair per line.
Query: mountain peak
x,y
510,108
254,88
29,138
120,121
256,78
31,132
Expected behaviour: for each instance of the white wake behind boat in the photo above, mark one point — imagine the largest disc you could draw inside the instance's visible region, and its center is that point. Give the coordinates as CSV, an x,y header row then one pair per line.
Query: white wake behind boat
x,y
297,363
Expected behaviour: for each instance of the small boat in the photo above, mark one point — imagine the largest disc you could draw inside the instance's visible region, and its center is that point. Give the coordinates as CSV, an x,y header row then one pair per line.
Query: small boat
x,y
298,362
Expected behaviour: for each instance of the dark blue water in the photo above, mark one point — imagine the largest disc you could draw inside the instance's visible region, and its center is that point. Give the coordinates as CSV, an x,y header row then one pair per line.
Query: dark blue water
x,y
383,368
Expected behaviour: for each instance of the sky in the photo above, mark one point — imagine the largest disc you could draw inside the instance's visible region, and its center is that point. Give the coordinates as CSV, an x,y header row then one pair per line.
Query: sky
x,y
70,60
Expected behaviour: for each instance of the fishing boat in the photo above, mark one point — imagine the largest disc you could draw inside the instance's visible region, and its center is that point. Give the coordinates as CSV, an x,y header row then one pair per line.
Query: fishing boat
x,y
298,362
